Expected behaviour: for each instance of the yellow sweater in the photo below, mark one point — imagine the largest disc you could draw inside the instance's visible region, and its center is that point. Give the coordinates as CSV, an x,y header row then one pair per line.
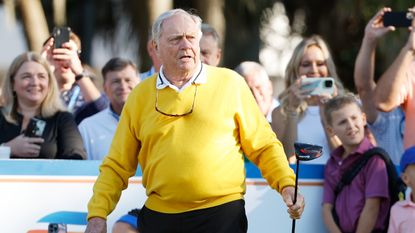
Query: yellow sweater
x,y
194,161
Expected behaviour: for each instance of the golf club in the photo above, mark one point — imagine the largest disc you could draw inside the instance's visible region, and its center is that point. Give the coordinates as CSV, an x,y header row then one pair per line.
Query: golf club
x,y
303,152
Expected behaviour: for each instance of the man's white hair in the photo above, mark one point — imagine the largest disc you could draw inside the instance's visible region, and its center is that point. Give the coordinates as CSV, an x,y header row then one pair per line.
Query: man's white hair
x,y
158,23
250,67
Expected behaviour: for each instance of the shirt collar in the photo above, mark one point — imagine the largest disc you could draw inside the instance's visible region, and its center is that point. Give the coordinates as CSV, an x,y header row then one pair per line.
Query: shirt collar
x,y
407,201
198,77
274,105
361,149
364,146
113,113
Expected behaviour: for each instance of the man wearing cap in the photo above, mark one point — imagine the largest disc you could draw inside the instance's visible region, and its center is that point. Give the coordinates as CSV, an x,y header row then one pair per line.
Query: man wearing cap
x,y
402,218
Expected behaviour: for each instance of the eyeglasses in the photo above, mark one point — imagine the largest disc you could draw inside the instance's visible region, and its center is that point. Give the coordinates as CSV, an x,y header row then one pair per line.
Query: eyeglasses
x,y
175,114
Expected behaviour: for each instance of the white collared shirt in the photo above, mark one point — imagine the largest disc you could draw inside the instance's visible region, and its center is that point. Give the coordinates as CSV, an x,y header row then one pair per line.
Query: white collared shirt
x,y
275,103
198,77
97,132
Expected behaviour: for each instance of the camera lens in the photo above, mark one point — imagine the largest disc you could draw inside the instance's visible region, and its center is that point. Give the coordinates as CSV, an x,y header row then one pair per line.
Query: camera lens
x,y
328,83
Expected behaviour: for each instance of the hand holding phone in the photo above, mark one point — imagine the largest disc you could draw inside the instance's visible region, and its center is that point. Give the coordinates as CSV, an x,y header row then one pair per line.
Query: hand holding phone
x,y
35,128
397,18
318,86
61,36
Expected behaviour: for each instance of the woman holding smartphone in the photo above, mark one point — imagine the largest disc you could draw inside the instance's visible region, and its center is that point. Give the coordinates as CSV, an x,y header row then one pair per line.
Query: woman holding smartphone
x,y
30,99
299,118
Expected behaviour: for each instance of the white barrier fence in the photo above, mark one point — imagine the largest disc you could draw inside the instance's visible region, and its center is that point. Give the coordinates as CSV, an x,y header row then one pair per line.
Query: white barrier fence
x,y
34,193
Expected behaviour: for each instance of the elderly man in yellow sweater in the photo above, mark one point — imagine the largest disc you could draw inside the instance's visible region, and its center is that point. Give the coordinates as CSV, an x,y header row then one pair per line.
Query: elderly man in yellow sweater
x,y
188,128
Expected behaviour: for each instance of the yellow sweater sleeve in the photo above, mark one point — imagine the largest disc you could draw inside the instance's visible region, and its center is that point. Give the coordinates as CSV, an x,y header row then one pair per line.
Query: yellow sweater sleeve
x,y
117,167
260,143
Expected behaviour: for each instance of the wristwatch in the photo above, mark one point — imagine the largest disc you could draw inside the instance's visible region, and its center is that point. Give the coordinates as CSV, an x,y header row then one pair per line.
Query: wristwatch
x,y
80,76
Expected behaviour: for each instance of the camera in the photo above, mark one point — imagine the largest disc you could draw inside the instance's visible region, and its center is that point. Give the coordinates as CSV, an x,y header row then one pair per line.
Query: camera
x,y
61,36
35,127
397,19
318,86
328,83
57,228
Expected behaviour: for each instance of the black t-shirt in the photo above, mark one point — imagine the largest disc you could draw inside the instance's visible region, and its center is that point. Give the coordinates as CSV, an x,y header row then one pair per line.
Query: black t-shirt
x,y
61,135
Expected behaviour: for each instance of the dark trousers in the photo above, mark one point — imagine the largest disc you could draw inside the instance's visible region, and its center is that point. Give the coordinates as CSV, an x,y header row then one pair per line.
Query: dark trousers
x,y
226,218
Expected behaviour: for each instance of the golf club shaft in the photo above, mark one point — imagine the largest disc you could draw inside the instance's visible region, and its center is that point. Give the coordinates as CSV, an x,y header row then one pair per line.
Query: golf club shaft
x,y
297,167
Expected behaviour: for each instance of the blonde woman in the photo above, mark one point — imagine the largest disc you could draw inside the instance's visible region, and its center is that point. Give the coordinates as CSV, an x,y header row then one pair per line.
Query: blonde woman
x,y
30,95
299,117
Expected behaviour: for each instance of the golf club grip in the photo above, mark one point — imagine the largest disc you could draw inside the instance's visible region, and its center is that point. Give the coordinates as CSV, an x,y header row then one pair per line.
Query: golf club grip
x,y
293,227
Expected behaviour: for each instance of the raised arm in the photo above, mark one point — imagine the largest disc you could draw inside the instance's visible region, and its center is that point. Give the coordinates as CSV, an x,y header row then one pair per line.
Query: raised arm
x,y
365,63
388,93
69,54
285,118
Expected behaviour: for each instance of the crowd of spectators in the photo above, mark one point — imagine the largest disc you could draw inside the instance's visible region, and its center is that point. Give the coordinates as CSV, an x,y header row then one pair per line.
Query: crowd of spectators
x,y
51,108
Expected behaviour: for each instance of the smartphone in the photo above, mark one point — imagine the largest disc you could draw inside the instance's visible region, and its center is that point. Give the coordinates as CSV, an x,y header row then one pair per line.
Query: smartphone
x,y
397,19
35,127
318,86
61,35
57,228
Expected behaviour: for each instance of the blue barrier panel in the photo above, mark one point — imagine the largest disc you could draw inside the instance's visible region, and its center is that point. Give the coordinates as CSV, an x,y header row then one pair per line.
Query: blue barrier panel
x,y
91,168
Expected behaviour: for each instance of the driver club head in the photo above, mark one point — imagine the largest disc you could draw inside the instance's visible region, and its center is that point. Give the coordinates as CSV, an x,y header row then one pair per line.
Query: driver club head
x,y
306,152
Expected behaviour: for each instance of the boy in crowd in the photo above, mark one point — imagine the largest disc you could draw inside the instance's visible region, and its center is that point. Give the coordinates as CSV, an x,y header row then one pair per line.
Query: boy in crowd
x,y
363,205
402,217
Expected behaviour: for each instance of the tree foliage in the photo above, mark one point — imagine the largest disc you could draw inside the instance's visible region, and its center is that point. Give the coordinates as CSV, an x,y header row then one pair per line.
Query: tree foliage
x,y
341,23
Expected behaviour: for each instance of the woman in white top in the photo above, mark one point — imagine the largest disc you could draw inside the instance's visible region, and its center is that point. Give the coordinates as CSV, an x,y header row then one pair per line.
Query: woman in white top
x,y
299,118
